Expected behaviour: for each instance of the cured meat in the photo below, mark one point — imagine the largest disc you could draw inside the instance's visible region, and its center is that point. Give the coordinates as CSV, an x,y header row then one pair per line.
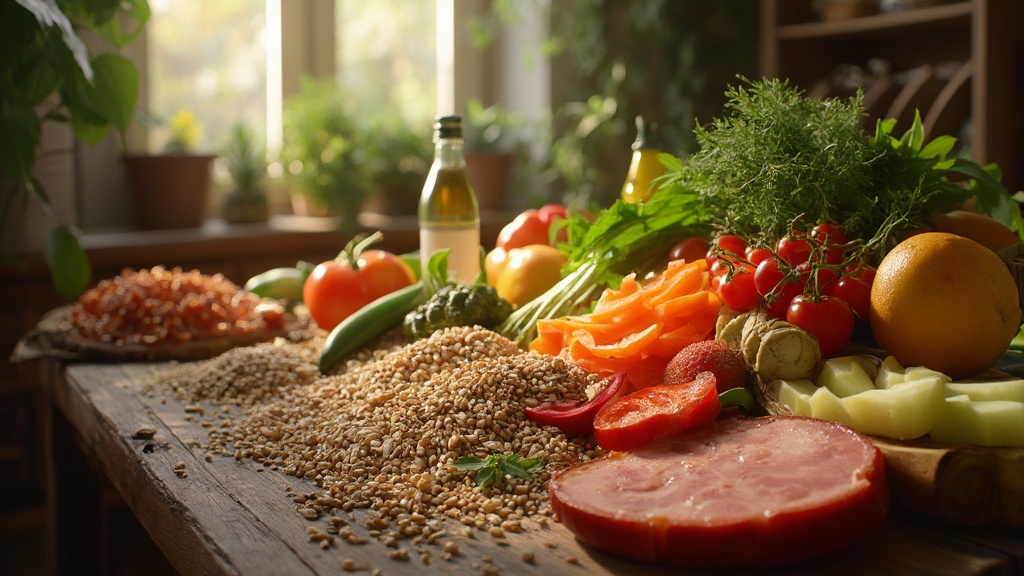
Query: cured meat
x,y
763,491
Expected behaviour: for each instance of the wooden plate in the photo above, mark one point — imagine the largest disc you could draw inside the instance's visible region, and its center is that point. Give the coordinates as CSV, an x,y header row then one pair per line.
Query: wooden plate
x,y
51,339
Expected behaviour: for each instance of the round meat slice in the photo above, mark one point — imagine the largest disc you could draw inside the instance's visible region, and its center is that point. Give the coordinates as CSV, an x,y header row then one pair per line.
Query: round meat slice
x,y
751,492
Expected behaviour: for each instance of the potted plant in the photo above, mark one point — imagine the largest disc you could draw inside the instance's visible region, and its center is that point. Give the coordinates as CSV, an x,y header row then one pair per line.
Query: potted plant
x,y
49,75
170,189
491,138
398,158
246,162
323,154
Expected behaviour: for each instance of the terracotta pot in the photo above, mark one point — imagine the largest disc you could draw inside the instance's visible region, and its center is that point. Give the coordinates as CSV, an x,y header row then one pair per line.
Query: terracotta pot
x,y
491,175
169,191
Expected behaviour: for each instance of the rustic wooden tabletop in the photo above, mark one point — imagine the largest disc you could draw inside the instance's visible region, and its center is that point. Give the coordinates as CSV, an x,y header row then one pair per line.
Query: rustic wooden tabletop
x,y
213,514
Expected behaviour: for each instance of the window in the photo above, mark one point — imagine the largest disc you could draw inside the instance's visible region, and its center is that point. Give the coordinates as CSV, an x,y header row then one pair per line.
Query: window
x,y
386,56
208,58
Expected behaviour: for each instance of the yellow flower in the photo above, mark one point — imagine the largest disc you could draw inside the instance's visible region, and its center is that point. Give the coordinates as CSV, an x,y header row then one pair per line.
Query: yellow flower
x,y
185,131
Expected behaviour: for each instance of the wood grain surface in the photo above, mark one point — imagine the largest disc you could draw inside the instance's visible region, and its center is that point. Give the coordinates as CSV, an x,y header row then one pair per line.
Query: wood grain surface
x,y
219,515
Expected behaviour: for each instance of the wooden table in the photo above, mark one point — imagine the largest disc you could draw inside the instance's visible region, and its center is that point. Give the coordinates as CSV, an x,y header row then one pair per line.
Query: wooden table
x,y
222,516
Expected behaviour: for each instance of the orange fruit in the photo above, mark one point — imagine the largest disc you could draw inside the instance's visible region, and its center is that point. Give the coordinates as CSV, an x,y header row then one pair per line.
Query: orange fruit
x,y
983,229
945,302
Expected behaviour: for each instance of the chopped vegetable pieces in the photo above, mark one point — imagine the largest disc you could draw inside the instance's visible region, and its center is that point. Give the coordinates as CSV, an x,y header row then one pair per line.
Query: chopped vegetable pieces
x,y
639,326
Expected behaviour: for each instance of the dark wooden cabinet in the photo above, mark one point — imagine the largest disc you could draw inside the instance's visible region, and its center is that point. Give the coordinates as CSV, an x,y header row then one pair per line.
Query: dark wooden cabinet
x,y
961,64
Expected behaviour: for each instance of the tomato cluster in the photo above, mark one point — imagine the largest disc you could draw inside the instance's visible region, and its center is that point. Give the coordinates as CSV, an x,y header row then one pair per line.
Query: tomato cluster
x,y
813,279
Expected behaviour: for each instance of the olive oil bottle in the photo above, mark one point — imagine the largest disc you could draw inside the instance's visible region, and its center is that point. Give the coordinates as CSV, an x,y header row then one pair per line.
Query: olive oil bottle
x,y
449,215
645,166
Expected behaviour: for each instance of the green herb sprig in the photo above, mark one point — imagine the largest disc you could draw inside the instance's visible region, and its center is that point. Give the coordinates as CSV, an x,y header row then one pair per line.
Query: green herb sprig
x,y
496,466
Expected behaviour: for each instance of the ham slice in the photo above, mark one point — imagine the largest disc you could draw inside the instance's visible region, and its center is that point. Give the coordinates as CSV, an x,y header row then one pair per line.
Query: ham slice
x,y
764,491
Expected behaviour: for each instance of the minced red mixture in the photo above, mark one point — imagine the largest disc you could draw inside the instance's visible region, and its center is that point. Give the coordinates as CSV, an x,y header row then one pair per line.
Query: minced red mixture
x,y
169,306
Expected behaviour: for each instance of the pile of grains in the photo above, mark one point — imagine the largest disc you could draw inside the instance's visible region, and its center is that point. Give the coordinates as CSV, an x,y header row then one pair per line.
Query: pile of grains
x,y
244,376
168,306
385,434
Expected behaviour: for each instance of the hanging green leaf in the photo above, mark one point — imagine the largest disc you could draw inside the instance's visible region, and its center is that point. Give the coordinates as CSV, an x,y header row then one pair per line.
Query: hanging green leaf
x,y
69,265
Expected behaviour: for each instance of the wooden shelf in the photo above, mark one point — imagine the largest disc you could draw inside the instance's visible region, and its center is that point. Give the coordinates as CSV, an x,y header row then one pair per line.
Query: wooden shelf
x,y
958,64
923,19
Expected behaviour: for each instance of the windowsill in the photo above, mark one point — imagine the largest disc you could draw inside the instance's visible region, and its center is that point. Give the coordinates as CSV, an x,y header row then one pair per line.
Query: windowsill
x,y
216,240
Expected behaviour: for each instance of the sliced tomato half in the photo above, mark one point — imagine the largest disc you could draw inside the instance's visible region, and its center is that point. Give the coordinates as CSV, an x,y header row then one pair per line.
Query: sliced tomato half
x,y
657,412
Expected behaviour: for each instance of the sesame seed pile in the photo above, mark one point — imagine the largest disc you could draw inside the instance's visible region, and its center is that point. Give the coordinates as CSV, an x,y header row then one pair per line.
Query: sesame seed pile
x,y
384,434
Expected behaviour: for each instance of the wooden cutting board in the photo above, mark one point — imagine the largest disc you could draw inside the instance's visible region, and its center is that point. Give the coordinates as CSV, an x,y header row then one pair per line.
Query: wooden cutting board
x,y
965,485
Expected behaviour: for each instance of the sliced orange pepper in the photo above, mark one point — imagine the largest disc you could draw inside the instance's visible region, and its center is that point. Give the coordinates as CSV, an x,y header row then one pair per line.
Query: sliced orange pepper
x,y
629,346
638,327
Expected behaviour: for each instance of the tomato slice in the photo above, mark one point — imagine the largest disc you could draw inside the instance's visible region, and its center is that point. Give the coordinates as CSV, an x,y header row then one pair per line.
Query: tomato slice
x,y
657,412
574,417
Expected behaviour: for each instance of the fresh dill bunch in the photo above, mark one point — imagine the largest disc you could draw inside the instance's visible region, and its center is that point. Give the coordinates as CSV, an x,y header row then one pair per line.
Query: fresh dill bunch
x,y
777,155
779,160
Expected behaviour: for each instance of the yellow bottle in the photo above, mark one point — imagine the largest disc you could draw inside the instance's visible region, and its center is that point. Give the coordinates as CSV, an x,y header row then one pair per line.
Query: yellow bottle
x,y
449,215
645,166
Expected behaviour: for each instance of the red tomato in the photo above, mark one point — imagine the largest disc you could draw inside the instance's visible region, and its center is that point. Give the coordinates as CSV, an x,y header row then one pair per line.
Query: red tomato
x,y
767,276
738,292
731,243
757,255
830,319
657,412
824,275
828,234
854,288
576,417
549,214
526,229
336,289
775,289
689,250
793,250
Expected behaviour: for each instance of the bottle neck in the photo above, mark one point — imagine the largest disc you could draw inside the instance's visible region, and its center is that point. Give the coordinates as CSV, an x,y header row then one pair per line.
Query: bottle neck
x,y
448,153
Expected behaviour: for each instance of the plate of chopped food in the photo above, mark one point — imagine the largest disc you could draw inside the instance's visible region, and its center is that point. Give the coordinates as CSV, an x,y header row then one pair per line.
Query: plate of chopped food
x,y
159,314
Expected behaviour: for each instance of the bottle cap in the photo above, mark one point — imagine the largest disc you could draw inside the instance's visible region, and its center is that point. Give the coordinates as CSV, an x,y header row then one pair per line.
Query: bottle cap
x,y
447,127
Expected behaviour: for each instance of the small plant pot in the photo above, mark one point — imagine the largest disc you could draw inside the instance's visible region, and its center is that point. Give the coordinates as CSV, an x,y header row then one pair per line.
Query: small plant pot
x,y
169,191
245,207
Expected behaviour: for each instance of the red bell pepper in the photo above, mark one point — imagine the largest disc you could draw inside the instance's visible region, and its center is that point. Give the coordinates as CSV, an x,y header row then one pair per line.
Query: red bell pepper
x,y
576,417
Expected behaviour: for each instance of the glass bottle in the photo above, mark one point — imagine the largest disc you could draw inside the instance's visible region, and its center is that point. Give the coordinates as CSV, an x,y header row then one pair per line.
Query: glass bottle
x,y
449,215
645,166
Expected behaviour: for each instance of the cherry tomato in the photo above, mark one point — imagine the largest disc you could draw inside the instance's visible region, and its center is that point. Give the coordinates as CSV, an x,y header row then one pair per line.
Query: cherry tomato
x,y
337,288
656,412
576,417
854,288
775,288
825,276
830,319
719,267
767,276
526,229
738,291
689,250
731,243
828,234
756,255
793,249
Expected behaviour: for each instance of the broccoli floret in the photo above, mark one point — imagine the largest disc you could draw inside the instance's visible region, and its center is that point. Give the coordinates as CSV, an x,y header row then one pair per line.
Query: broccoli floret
x,y
457,305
